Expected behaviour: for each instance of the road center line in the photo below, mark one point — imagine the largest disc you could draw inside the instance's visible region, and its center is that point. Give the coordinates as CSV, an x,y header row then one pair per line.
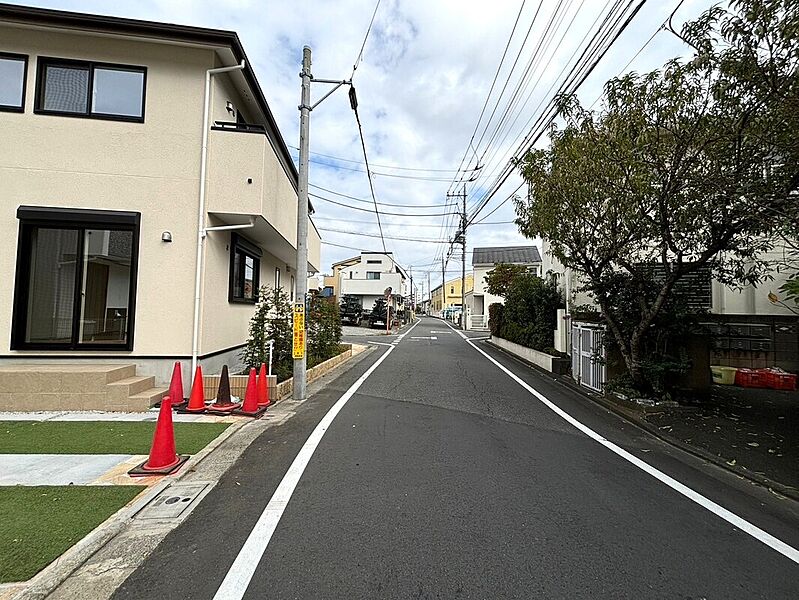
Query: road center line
x,y
238,578
762,536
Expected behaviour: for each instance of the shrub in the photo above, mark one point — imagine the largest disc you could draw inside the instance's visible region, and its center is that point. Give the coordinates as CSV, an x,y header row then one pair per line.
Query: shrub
x,y
529,317
495,318
272,320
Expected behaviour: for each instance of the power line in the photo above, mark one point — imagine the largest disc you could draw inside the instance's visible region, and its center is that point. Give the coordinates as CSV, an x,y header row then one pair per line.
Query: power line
x,y
388,237
377,173
366,37
319,187
360,162
579,72
372,211
354,104
491,89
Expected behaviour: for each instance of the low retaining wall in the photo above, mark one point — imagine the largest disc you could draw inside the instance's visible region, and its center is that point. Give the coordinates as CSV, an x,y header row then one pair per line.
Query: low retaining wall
x,y
553,364
285,388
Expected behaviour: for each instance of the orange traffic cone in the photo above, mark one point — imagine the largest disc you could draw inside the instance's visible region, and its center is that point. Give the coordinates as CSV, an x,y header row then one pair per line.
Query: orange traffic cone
x,y
223,402
176,386
263,387
163,460
250,406
197,398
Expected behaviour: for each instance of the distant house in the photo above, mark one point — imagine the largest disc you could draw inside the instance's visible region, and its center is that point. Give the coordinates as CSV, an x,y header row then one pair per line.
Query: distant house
x,y
451,297
746,329
368,276
483,261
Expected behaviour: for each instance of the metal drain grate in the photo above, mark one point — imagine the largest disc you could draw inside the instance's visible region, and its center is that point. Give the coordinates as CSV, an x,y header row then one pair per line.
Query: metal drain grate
x,y
171,503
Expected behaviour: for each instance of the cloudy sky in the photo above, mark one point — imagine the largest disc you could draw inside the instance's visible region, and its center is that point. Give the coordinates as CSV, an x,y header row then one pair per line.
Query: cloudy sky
x,y
426,72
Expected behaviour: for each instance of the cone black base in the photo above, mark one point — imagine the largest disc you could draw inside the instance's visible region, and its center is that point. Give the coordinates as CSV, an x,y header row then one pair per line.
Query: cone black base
x,y
222,410
140,471
258,412
183,410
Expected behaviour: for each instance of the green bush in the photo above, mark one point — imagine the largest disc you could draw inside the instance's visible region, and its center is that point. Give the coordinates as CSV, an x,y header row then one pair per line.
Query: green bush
x,y
273,320
496,318
529,317
324,330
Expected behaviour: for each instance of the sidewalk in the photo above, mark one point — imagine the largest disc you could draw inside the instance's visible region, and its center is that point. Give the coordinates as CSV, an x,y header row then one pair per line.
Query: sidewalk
x,y
752,430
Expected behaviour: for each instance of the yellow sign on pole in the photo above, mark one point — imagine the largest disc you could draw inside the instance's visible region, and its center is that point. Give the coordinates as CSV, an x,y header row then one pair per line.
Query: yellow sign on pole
x,y
298,349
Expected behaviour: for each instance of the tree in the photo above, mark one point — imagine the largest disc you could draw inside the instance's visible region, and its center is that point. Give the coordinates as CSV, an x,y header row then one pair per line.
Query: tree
x,y
271,321
499,279
692,166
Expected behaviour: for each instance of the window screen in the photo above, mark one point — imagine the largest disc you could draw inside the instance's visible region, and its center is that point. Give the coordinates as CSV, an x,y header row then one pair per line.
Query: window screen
x,y
12,81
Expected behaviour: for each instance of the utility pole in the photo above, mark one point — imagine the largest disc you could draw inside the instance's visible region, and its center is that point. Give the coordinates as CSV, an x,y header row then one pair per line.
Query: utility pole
x,y
460,238
443,282
301,281
413,297
429,294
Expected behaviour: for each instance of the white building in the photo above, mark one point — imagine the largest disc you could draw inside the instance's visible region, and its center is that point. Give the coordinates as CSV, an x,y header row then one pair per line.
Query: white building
x,y
369,276
483,261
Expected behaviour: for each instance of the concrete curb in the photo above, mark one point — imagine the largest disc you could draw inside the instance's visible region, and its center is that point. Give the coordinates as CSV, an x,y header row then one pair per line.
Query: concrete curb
x,y
632,417
49,578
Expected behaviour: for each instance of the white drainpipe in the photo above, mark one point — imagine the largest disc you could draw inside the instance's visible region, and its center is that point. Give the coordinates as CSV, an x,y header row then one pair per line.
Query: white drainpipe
x,y
201,229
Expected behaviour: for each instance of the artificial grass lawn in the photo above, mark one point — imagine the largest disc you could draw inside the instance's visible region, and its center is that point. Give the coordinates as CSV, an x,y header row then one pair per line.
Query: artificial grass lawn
x,y
99,437
40,523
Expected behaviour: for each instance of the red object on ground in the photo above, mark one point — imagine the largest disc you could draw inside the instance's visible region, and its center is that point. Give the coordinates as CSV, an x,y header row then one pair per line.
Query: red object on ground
x,y
777,379
176,385
197,398
163,460
251,395
263,387
749,378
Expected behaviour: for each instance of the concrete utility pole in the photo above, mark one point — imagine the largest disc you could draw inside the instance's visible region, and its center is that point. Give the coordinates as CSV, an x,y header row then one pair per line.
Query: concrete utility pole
x,y
443,282
413,297
460,238
301,281
429,294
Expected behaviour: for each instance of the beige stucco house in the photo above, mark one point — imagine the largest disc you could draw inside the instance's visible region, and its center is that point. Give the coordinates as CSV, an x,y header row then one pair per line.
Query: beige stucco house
x,y
144,197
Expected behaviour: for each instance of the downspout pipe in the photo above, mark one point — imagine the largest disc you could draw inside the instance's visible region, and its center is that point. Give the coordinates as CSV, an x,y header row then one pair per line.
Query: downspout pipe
x,y
201,230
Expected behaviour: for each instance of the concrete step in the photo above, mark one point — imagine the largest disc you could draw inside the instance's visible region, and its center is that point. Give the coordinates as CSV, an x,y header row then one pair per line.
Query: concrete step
x,y
146,399
133,385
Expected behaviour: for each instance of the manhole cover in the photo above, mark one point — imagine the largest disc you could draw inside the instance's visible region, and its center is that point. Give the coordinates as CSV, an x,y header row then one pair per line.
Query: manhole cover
x,y
171,503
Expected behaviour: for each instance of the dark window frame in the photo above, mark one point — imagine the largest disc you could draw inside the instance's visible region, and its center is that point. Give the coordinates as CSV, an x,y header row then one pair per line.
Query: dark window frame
x,y
24,58
43,62
241,245
75,219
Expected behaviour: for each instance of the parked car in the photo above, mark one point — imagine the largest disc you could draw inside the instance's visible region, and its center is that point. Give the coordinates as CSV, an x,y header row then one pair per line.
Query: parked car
x,y
377,318
350,310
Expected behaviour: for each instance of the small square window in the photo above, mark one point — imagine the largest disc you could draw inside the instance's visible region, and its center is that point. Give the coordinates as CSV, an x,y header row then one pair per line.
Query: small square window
x,y
13,68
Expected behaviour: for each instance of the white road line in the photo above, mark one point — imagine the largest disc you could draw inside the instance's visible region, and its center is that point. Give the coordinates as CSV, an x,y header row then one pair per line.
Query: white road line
x,y
769,540
240,574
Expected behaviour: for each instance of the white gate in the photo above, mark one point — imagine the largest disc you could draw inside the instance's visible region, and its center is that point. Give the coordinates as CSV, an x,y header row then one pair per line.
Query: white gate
x,y
586,347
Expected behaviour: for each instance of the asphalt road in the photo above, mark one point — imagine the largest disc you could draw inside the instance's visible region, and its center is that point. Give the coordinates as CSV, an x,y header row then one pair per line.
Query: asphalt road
x,y
442,477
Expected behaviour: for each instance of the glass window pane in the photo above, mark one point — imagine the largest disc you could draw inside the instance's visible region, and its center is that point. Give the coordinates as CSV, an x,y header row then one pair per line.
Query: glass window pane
x,y
51,295
12,75
249,269
66,89
238,279
105,289
117,92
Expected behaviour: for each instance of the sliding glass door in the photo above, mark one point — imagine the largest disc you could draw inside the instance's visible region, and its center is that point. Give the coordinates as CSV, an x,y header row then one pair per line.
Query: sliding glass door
x,y
75,280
